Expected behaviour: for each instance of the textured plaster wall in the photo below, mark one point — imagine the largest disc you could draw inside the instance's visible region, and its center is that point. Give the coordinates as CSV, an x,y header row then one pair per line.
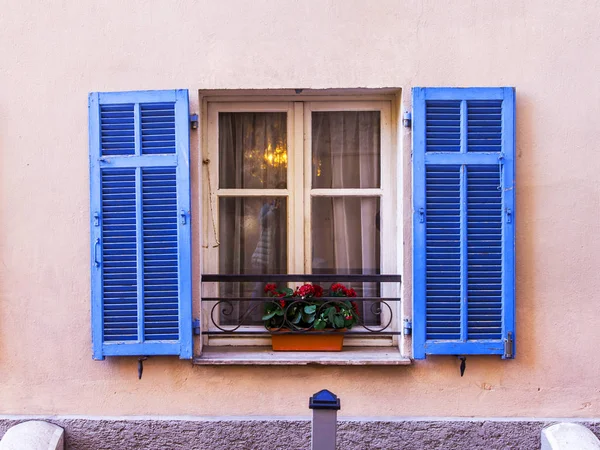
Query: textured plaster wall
x,y
53,53
260,434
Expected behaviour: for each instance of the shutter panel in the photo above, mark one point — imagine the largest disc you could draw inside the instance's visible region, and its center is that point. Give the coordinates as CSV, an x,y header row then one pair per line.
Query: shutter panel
x,y
140,223
463,227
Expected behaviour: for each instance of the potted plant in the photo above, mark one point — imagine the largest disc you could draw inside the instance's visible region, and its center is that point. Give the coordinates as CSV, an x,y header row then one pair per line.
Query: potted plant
x,y
309,318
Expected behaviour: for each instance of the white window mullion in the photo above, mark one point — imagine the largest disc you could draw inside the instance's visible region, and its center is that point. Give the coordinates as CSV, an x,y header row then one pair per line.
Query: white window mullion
x,y
366,192
306,187
253,193
296,158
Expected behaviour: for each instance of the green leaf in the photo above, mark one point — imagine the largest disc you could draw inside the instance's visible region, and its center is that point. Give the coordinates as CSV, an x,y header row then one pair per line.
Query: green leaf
x,y
308,318
319,324
269,315
310,309
297,318
331,315
287,291
338,321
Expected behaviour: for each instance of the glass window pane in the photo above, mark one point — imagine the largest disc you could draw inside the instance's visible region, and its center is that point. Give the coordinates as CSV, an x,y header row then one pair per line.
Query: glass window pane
x,y
253,240
252,150
346,149
346,240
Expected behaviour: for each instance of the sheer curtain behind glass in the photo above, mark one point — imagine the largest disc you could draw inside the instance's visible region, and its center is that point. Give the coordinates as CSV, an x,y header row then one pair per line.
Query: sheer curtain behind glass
x,y
252,229
346,153
252,150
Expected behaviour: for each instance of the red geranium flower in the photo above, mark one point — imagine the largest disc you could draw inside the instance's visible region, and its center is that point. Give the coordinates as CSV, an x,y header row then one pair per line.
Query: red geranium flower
x,y
270,288
305,291
318,290
337,287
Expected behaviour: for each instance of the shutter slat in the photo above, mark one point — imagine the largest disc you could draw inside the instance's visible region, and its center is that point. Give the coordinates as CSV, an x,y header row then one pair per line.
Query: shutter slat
x,y
443,249
442,123
160,238
117,130
484,126
158,128
120,285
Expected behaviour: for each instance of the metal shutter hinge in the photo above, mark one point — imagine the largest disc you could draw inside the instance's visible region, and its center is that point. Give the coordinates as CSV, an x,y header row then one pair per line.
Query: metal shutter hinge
x,y
508,215
196,326
407,119
407,327
194,121
96,219
508,345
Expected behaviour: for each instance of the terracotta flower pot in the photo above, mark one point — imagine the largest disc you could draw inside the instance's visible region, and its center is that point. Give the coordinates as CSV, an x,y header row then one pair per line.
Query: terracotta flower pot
x,y
308,341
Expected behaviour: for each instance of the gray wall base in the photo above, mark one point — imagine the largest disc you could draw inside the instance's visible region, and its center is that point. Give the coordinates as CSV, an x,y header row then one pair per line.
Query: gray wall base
x,y
259,434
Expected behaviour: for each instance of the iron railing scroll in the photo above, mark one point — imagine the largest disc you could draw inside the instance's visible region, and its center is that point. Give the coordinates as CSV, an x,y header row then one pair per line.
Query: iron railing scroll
x,y
378,312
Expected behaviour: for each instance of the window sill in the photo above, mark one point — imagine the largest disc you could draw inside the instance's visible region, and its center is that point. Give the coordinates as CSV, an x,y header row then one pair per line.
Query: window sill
x,y
264,356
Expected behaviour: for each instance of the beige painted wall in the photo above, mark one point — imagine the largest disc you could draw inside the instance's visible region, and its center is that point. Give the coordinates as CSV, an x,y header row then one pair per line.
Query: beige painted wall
x,y
53,53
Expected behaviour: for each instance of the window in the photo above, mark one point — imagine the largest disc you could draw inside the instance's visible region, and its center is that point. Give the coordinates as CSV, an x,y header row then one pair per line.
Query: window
x,y
298,187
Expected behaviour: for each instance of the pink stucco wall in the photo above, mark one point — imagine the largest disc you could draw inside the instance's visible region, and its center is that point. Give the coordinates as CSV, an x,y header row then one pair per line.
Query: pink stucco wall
x,y
54,53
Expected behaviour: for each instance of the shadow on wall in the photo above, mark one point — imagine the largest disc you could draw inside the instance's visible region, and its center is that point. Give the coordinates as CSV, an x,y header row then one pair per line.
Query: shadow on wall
x,y
527,206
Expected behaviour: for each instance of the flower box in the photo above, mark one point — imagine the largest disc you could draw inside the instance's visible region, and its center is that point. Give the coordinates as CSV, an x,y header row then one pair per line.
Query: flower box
x,y
309,318
308,341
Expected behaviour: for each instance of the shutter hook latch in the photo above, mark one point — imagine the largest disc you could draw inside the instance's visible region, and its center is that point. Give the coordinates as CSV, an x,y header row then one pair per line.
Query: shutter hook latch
x,y
463,364
141,360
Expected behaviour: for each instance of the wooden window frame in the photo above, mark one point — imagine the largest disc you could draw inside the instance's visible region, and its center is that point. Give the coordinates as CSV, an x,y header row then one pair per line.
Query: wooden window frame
x,y
299,191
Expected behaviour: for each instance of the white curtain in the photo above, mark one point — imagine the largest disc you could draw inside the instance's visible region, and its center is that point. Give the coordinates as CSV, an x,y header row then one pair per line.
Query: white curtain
x,y
252,230
345,230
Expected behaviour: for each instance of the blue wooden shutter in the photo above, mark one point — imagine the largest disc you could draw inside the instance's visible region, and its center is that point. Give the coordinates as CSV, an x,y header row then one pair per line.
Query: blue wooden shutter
x,y
140,223
463,223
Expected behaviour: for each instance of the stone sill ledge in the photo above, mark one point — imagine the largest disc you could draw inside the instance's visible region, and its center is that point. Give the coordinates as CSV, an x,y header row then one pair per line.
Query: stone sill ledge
x,y
264,356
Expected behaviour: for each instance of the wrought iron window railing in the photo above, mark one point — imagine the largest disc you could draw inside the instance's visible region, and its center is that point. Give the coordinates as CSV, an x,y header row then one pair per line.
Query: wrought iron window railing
x,y
381,309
